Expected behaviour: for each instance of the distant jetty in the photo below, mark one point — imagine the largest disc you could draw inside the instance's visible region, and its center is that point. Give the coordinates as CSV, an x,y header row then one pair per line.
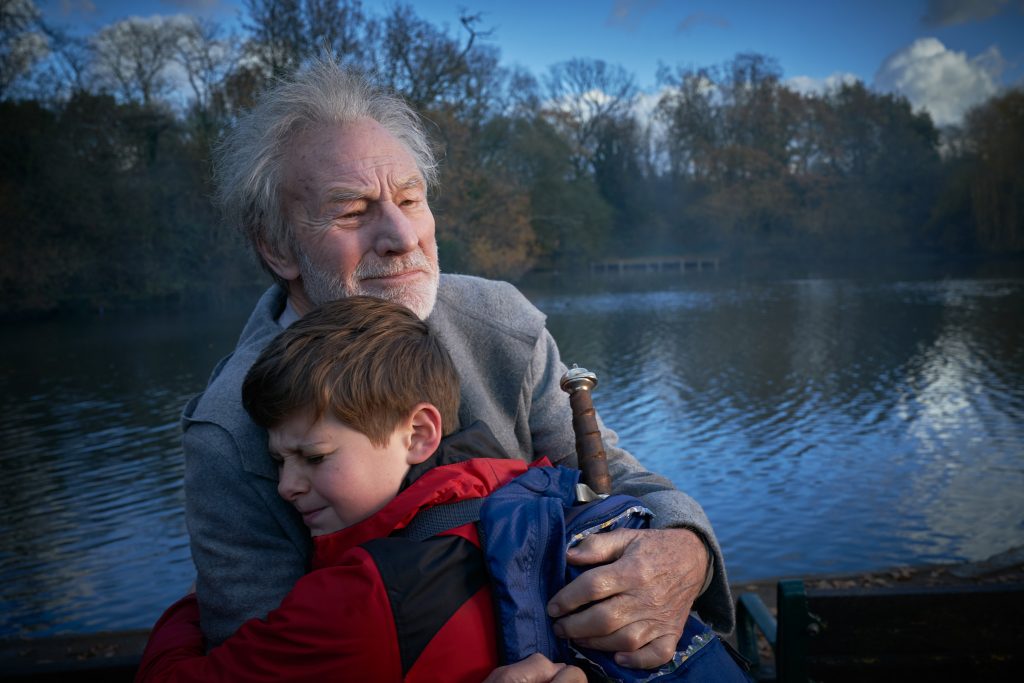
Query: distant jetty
x,y
679,264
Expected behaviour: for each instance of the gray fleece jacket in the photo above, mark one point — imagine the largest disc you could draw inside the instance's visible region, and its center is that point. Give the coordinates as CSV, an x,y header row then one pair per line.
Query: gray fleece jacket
x,y
250,546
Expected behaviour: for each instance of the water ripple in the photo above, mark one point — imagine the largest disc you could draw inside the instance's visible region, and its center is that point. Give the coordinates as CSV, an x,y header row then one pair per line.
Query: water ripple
x,y
824,425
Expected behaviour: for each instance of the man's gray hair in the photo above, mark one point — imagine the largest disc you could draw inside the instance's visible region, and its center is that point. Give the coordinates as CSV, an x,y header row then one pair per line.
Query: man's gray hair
x,y
248,161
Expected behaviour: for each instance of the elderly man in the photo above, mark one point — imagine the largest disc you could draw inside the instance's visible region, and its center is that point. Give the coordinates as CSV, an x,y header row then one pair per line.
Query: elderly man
x,y
328,179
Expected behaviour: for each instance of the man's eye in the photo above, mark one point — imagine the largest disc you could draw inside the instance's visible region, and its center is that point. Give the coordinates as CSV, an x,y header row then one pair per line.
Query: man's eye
x,y
314,459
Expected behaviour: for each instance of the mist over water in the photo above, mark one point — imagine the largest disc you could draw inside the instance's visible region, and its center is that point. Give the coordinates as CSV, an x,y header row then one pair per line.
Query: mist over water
x,y
824,424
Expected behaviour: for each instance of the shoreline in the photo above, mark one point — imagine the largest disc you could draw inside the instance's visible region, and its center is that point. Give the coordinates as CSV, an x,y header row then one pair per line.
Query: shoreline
x,y
1002,568
115,654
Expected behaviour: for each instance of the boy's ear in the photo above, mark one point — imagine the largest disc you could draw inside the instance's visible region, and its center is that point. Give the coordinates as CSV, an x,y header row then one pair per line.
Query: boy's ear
x,y
425,434
285,265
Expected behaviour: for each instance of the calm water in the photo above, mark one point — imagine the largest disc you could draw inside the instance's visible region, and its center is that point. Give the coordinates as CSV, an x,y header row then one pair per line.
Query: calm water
x,y
825,425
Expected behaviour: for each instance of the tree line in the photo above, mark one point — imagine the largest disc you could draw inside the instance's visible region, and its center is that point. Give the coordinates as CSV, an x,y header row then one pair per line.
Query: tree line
x,y
105,177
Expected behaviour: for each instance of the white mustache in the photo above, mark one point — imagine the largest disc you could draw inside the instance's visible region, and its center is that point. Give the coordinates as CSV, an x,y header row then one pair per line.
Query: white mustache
x,y
392,266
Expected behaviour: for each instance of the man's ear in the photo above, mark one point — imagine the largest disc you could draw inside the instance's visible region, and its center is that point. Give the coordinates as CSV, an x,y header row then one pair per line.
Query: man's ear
x,y
285,265
425,434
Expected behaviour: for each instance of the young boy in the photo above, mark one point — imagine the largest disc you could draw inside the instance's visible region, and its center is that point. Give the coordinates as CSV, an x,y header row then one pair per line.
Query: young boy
x,y
356,397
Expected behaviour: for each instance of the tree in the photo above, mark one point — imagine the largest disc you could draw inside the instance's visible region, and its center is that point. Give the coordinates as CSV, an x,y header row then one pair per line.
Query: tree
x,y
428,65
483,212
21,42
133,57
690,116
207,56
584,95
995,133
344,28
68,72
568,215
278,33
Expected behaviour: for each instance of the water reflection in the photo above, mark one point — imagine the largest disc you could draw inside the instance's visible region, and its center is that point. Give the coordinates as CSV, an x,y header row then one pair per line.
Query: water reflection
x,y
963,416
783,408
94,537
825,425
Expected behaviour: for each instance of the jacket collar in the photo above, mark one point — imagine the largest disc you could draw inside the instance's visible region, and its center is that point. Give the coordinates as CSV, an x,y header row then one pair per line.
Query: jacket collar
x,y
458,473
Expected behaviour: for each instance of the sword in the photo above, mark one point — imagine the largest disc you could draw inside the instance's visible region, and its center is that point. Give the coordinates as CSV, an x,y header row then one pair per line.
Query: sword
x,y
578,383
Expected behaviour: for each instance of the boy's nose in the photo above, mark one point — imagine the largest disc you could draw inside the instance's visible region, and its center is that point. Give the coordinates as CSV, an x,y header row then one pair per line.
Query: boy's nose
x,y
291,483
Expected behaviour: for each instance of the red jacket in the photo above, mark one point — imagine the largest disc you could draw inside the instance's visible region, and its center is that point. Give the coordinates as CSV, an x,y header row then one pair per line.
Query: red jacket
x,y
373,608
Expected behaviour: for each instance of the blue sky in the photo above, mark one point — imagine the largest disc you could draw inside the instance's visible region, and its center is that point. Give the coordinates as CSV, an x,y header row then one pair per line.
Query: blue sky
x,y
942,54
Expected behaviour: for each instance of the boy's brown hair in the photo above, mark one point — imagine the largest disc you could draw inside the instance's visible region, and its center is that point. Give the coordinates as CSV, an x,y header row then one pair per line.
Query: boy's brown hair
x,y
366,361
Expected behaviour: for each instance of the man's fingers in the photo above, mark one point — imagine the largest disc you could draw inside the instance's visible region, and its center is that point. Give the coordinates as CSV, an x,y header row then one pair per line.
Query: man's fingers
x,y
590,586
597,620
630,638
534,669
637,600
655,653
601,548
597,583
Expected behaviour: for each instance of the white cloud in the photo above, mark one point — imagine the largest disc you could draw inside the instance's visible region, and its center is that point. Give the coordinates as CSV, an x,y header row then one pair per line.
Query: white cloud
x,y
646,103
943,82
951,12
806,85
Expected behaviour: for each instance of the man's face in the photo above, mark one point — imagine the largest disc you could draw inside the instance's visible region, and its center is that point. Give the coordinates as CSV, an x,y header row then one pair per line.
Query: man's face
x,y
357,205
332,474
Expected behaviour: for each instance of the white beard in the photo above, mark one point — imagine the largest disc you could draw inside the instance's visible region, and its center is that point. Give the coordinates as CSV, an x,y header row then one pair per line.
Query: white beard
x,y
321,286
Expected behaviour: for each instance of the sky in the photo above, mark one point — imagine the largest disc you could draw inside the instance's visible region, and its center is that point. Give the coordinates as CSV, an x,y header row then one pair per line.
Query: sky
x,y
943,55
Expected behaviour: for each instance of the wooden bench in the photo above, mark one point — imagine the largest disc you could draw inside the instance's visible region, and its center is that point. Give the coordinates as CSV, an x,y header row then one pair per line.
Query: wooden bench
x,y
886,634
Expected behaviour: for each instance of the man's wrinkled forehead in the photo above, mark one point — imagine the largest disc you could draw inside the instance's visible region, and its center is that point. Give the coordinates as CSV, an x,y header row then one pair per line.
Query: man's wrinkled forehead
x,y
336,156
361,144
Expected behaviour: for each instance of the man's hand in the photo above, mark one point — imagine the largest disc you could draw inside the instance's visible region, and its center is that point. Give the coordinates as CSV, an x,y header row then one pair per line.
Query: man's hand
x,y
642,597
536,669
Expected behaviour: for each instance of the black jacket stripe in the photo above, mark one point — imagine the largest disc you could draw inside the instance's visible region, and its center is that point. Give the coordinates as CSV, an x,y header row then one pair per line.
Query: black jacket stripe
x,y
427,582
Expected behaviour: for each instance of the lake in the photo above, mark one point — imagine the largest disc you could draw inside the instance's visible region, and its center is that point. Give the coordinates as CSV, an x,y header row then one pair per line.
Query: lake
x,y
825,423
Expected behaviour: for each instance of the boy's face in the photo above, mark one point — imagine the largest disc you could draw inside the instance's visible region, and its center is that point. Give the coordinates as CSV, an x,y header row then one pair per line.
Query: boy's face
x,y
332,474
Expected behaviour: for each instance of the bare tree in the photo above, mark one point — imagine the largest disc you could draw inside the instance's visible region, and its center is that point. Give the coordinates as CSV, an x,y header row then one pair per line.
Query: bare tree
x,y
21,42
427,64
279,34
67,72
133,57
207,55
586,94
342,27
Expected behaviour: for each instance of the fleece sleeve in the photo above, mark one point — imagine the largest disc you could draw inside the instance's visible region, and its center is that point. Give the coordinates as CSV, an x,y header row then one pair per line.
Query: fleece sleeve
x,y
245,562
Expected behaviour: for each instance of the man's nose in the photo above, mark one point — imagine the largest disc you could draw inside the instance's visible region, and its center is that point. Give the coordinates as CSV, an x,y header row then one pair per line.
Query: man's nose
x,y
291,482
396,234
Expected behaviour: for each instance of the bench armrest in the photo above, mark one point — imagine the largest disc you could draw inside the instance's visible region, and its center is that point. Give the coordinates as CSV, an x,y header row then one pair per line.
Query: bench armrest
x,y
753,615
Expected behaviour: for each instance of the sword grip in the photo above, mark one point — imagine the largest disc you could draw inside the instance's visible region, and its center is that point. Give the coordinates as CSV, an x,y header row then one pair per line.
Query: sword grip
x,y
593,461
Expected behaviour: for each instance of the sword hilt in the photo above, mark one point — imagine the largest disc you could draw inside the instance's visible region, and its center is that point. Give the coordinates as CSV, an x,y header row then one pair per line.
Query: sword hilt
x,y
578,382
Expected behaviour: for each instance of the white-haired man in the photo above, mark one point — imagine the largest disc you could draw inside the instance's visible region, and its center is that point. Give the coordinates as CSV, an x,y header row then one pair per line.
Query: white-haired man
x,y
328,179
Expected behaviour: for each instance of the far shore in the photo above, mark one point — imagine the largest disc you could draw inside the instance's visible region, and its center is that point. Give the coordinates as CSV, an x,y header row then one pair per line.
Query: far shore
x,y
118,652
